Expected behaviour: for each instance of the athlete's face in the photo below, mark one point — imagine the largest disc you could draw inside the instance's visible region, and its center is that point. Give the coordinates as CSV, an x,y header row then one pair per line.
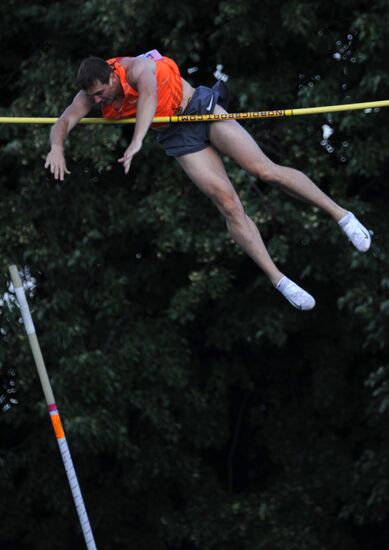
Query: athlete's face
x,y
102,94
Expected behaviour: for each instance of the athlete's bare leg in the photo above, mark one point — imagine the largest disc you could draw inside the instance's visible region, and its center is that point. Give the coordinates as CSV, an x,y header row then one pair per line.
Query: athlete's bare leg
x,y
231,139
207,171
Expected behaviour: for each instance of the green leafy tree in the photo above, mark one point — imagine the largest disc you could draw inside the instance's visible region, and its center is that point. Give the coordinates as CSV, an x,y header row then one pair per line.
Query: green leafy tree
x,y
201,411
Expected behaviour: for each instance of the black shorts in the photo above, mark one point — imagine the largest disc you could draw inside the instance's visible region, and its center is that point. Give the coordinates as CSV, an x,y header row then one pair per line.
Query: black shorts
x,y
183,138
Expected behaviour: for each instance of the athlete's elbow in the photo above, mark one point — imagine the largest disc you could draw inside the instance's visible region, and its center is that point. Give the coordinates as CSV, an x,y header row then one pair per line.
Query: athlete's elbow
x,y
61,125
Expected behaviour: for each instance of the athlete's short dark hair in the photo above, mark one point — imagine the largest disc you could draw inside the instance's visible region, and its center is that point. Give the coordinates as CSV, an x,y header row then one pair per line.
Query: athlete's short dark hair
x,y
92,69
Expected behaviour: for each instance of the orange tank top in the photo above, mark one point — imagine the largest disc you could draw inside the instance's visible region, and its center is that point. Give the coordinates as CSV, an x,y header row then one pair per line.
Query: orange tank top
x,y
169,90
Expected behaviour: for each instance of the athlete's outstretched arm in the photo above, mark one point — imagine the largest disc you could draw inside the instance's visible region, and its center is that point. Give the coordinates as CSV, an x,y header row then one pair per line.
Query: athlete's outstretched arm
x,y
55,160
142,74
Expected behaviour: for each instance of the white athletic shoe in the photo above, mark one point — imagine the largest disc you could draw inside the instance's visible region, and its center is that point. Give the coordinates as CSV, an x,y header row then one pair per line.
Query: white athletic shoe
x,y
295,294
356,232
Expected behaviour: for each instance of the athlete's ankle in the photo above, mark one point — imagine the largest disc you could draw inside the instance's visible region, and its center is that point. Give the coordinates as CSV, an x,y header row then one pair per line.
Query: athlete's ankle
x,y
339,214
276,278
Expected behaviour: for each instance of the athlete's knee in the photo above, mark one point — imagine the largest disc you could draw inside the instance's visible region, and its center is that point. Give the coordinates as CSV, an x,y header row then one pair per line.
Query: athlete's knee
x,y
269,172
229,204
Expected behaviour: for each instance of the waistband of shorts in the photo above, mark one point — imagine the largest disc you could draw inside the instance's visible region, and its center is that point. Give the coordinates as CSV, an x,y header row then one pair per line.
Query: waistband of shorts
x,y
184,112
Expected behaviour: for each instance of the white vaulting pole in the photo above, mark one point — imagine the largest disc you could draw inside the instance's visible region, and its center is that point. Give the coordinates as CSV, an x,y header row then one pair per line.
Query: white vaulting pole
x,y
54,414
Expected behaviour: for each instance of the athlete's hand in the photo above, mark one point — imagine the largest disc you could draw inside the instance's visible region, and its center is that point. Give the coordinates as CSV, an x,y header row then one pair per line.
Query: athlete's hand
x,y
55,160
132,149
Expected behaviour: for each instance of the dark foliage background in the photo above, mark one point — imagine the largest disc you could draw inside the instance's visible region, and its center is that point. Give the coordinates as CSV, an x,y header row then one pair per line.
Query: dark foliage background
x,y
201,410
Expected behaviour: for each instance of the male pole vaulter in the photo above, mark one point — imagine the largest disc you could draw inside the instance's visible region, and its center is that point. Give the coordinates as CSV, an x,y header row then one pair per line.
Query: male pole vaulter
x,y
151,85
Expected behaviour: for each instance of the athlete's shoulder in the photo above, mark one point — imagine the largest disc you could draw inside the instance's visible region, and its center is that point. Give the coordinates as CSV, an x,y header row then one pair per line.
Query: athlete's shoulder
x,y
126,61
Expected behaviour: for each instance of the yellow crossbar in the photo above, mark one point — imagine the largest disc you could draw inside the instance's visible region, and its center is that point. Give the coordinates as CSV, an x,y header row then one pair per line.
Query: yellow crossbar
x,y
211,117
